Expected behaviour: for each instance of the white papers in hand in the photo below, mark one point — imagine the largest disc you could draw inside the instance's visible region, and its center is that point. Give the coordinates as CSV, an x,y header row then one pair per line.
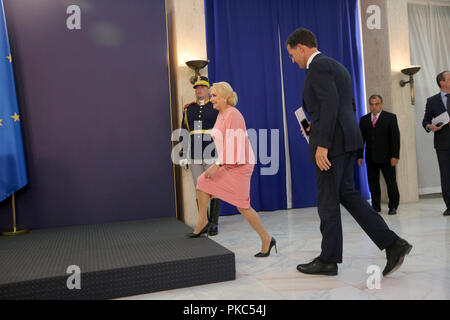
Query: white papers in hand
x,y
443,117
300,114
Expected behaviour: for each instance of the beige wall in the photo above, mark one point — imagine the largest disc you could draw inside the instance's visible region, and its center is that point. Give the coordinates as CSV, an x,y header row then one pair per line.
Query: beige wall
x,y
401,99
386,51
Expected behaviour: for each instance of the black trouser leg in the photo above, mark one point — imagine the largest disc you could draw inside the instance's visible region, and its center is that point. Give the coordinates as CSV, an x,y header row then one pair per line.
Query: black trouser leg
x,y
329,211
444,169
337,186
373,175
371,222
391,184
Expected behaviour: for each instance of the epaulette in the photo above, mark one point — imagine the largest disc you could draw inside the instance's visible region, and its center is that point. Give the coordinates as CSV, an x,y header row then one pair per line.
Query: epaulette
x,y
189,104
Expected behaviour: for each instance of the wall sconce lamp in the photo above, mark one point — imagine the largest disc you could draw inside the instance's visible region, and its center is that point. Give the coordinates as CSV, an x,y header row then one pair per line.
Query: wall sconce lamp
x,y
410,71
196,65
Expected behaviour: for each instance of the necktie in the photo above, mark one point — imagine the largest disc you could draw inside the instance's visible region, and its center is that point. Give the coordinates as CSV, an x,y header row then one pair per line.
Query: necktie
x,y
374,120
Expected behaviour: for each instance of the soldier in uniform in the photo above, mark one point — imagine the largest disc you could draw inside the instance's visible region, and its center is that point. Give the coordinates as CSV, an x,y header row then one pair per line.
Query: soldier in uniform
x,y
199,118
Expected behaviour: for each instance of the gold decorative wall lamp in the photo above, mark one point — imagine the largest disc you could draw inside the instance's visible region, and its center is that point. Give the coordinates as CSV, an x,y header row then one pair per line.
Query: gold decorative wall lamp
x,y
410,71
196,65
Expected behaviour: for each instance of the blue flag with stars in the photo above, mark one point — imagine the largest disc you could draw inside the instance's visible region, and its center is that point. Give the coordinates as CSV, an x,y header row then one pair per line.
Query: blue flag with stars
x,y
13,174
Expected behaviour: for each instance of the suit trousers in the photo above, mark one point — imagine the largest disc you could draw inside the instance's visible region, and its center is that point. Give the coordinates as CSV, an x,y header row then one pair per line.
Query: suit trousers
x,y
444,169
373,175
336,186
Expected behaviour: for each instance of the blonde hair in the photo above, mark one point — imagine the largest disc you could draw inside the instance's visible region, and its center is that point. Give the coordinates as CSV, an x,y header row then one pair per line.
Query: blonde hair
x,y
225,90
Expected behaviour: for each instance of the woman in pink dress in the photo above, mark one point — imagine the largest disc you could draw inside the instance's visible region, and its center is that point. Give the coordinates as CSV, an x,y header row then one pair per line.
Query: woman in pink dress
x,y
229,178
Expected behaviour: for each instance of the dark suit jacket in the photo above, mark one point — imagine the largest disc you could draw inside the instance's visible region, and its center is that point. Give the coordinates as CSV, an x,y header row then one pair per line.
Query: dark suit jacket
x,y
434,108
383,141
328,98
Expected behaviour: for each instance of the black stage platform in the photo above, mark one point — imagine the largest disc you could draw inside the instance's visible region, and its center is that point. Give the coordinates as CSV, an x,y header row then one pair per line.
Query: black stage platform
x,y
115,259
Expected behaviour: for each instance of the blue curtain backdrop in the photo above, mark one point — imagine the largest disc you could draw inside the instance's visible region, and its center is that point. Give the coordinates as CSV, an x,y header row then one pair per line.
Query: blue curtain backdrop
x,y
242,39
243,46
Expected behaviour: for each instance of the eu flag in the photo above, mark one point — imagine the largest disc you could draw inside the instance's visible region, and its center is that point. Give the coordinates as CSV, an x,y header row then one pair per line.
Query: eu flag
x,y
13,174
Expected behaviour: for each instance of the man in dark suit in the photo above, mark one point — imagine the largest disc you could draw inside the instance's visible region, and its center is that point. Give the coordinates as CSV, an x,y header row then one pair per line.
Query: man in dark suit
x,y
334,141
380,133
437,105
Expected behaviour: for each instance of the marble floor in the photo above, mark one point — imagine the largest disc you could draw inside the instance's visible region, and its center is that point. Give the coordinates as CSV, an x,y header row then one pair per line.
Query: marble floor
x,y
425,273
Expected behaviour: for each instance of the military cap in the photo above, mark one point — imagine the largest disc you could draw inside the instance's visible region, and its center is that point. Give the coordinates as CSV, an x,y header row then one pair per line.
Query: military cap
x,y
201,81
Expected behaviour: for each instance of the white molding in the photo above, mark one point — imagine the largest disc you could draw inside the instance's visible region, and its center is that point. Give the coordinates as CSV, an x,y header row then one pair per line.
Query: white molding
x,y
286,133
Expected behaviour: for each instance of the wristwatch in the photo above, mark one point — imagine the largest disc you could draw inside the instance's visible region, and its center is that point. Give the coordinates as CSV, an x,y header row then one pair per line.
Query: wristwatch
x,y
218,164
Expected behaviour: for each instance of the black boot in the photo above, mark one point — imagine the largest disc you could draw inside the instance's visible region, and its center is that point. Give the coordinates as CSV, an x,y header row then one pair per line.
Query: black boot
x,y
214,208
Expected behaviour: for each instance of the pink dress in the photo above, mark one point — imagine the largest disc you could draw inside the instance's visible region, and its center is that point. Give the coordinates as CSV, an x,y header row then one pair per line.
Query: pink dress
x,y
231,182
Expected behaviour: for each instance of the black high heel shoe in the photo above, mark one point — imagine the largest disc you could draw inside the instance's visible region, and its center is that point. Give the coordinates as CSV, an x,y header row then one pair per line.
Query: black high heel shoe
x,y
273,243
204,230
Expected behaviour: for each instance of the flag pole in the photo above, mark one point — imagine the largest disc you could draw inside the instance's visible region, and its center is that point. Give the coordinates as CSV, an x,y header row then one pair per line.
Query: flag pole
x,y
15,232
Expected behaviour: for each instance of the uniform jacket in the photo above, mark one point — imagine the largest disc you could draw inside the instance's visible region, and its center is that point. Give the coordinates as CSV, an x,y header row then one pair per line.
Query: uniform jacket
x,y
199,121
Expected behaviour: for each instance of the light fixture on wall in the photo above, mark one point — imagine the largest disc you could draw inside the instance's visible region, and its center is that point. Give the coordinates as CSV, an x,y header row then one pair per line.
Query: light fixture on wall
x,y
410,71
196,65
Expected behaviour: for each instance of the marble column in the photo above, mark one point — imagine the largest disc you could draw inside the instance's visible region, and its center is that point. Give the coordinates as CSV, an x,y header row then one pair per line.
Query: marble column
x,y
187,41
401,99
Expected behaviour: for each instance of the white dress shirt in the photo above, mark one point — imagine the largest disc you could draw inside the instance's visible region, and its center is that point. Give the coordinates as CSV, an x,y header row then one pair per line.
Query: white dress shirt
x,y
311,59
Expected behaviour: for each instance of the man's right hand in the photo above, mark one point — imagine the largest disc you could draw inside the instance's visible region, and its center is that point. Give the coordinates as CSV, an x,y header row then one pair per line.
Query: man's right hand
x,y
360,162
309,128
433,127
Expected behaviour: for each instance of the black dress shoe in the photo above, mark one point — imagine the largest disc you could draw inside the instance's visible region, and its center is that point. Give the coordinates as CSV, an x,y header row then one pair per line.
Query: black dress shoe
x,y
273,243
447,212
377,209
319,267
392,211
395,255
204,230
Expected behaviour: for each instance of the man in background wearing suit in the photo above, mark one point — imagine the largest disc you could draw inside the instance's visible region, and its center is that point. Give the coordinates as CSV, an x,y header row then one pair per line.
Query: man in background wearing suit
x,y
334,141
436,105
380,133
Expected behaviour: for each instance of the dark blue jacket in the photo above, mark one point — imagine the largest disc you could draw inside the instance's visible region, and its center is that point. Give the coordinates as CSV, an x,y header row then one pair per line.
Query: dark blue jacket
x,y
434,108
328,98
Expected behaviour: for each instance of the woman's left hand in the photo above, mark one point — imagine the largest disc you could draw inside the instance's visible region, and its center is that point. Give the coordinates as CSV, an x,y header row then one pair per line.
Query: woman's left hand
x,y
211,171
